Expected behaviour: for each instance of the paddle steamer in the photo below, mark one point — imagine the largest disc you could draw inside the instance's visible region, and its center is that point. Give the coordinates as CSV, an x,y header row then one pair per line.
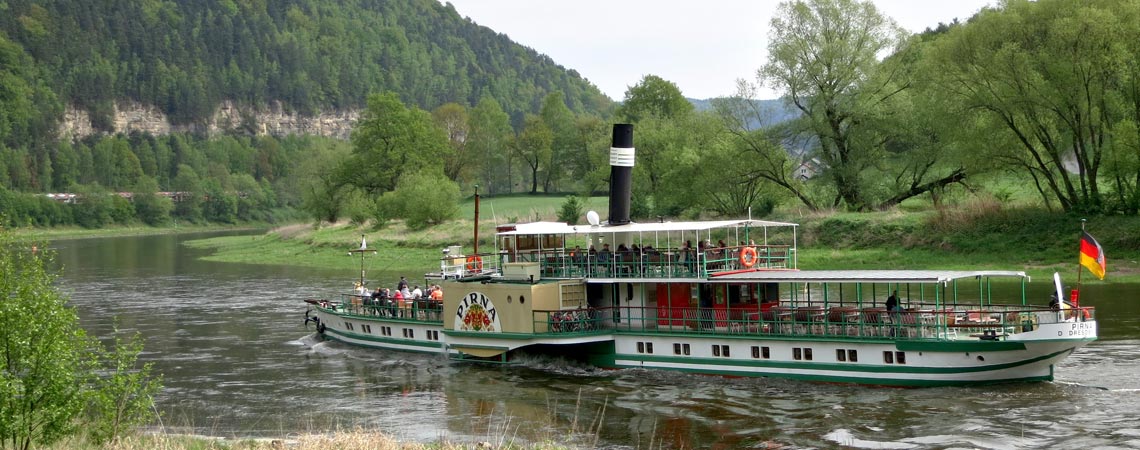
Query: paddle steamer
x,y
734,303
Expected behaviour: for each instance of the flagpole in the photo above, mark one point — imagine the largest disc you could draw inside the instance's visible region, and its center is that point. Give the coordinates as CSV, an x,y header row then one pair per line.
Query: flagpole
x,y
1077,300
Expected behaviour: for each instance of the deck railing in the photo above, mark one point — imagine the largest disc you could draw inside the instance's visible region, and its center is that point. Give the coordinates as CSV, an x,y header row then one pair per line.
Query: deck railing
x,y
989,322
657,263
420,310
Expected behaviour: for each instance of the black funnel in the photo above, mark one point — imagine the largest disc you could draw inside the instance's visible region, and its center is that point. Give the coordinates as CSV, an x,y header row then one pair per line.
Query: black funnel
x,y
621,173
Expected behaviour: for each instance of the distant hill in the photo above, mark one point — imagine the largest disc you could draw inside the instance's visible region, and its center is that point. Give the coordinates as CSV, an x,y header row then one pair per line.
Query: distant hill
x,y
775,110
187,57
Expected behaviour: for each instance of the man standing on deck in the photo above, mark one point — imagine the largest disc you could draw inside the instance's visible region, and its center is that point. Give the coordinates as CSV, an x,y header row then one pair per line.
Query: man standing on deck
x,y
893,301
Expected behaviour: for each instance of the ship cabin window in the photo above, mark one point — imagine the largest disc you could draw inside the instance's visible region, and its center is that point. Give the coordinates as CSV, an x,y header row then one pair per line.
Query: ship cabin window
x,y
843,355
724,351
797,354
366,328
716,350
807,354
348,326
681,349
759,352
889,357
900,357
648,347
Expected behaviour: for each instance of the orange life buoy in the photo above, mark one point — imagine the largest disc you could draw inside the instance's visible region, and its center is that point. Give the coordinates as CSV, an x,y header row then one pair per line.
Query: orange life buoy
x,y
1085,313
474,262
748,257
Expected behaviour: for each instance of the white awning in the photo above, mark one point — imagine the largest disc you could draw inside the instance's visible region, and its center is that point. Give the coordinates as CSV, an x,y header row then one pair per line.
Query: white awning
x,y
863,276
535,228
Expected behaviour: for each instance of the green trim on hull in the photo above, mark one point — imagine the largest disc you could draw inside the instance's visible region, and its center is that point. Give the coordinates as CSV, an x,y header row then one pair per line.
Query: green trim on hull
x,y
341,336
850,367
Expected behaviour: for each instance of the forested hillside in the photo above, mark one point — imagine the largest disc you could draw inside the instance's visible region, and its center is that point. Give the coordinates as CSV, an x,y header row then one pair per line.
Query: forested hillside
x,y
187,56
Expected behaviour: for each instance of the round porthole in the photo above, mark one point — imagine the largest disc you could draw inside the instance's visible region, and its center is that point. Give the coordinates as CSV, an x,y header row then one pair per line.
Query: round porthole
x,y
980,358
522,299
508,299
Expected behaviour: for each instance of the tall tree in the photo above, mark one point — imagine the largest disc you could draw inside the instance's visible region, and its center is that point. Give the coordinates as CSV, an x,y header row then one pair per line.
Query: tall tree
x,y
1058,80
560,120
653,96
488,142
389,140
533,146
823,56
452,117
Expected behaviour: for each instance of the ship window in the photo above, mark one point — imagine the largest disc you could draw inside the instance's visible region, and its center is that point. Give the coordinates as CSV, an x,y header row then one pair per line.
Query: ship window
x,y
764,353
522,299
641,347
716,350
685,348
889,357
676,348
648,347
807,354
724,350
840,355
900,357
797,354
853,355
755,352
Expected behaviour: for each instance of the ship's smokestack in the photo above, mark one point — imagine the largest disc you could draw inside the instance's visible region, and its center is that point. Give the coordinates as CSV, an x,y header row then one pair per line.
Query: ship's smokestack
x,y
621,173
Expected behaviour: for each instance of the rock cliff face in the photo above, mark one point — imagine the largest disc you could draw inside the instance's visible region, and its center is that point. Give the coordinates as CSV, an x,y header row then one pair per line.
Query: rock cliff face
x,y
274,121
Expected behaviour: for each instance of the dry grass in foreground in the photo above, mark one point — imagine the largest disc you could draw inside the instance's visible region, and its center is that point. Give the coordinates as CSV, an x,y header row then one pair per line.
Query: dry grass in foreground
x,y
341,440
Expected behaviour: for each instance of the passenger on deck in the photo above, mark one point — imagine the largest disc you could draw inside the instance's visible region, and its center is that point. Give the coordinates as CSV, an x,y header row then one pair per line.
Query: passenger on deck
x,y
403,284
417,293
437,293
576,256
604,255
893,302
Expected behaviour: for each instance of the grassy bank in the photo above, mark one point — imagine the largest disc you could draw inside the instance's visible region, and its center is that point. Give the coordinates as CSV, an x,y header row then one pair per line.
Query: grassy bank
x,y
974,236
62,233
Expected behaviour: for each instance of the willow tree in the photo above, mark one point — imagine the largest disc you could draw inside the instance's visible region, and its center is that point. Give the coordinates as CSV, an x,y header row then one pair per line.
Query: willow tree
x,y
848,70
1059,81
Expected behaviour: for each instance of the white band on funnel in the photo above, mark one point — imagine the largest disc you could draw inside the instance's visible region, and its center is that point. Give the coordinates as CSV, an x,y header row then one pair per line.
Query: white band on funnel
x,y
621,157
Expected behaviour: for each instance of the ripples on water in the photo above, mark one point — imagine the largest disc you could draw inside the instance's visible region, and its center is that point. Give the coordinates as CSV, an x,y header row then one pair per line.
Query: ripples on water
x,y
237,361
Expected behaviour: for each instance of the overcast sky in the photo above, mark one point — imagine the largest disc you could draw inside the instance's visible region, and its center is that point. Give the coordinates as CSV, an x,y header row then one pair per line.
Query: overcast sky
x,y
703,46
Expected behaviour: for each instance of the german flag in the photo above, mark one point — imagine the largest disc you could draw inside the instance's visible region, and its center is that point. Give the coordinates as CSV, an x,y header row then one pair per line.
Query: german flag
x,y
1092,256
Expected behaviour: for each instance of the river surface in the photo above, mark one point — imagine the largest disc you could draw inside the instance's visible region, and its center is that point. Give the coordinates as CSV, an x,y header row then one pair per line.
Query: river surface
x,y
237,361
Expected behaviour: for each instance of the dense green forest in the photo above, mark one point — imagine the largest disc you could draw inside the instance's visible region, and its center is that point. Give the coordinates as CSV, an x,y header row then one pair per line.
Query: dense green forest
x,y
1029,101
185,57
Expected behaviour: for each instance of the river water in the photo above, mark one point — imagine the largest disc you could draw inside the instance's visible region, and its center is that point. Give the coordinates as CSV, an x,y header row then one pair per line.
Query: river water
x,y
237,361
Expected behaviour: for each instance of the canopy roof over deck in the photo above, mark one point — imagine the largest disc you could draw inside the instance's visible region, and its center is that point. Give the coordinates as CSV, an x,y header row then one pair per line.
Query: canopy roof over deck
x,y
535,228
864,276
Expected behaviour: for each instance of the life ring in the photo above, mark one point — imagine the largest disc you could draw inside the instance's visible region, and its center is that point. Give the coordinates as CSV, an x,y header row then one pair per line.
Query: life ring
x,y
1086,314
748,257
474,263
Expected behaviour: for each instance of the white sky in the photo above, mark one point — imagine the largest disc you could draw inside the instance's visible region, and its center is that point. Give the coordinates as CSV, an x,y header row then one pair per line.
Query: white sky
x,y
703,46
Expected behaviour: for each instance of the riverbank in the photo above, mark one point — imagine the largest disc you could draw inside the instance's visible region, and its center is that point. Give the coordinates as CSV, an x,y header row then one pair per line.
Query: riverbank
x,y
965,238
66,233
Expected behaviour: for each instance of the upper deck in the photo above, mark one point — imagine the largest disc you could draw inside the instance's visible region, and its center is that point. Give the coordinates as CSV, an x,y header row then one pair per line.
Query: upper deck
x,y
663,250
